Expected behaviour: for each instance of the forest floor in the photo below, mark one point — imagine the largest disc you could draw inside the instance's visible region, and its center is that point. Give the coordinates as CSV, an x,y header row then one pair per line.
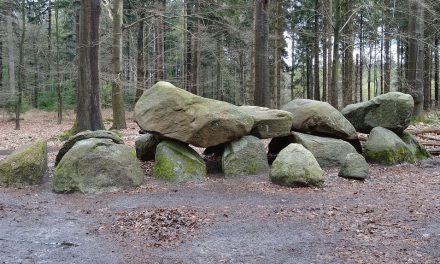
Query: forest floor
x,y
392,217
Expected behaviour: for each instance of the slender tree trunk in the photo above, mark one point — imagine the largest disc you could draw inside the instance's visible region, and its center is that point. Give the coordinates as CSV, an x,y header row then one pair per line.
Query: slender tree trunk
x,y
11,60
160,43
140,66
398,65
369,71
427,75
1,64
277,54
36,79
316,94
415,56
59,96
347,81
195,67
117,99
333,93
361,58
387,41
329,45
262,96
356,79
21,73
309,75
436,70
325,25
189,53
88,116
219,53
292,74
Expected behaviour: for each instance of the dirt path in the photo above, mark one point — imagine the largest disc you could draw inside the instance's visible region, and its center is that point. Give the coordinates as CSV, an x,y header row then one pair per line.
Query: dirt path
x,y
393,217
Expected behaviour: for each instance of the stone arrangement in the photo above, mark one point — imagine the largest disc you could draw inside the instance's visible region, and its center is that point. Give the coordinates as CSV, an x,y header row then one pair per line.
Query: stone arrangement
x,y
305,136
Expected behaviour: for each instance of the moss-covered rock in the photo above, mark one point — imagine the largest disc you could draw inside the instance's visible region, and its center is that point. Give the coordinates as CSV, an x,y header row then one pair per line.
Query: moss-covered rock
x,y
26,166
174,113
177,162
85,135
146,147
385,147
295,166
354,167
97,165
419,152
245,156
392,110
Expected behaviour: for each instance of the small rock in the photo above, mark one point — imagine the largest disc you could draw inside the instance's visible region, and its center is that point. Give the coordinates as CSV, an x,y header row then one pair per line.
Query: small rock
x,y
146,147
354,167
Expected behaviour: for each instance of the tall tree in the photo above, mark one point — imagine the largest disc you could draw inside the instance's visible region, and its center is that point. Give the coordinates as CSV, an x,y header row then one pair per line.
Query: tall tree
x,y
347,78
436,69
316,93
21,69
160,41
333,93
11,60
88,114
57,40
415,55
262,95
117,99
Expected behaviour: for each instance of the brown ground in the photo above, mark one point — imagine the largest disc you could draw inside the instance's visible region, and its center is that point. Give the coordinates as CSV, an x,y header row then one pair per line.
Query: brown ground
x,y
393,217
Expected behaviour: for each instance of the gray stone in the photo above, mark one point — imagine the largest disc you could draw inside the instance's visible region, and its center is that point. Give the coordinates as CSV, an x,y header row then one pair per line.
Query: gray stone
x,y
418,150
328,152
245,156
178,162
391,110
295,166
86,135
354,167
383,146
174,113
269,123
146,147
319,118
26,166
97,165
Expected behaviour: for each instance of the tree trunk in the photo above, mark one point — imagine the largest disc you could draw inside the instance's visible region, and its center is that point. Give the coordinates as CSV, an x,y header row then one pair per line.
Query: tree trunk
x,y
21,80
333,93
188,57
316,93
356,80
369,71
387,41
140,66
262,89
276,92
292,74
117,99
88,116
427,75
347,81
415,56
436,69
160,43
361,58
11,60
59,96
1,65
195,67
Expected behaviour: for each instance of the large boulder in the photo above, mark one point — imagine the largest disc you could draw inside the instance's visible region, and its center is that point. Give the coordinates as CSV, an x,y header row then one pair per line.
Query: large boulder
x,y
354,167
295,166
177,162
328,152
26,166
383,146
97,165
269,123
391,110
418,150
174,113
85,135
245,156
146,147
320,118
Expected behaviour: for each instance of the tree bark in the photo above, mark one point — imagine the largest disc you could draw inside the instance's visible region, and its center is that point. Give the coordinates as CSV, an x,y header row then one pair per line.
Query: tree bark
x,y
195,67
427,75
387,41
436,69
361,58
189,53
347,81
140,65
160,73
333,93
262,89
117,99
88,116
316,93
59,96
11,60
415,56
21,73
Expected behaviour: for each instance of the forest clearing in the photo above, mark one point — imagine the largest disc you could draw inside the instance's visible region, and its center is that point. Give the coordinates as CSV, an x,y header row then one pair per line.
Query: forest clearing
x,y
392,217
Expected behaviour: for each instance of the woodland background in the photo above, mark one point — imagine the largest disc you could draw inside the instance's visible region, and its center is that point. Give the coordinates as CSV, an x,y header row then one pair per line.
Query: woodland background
x,y
257,52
